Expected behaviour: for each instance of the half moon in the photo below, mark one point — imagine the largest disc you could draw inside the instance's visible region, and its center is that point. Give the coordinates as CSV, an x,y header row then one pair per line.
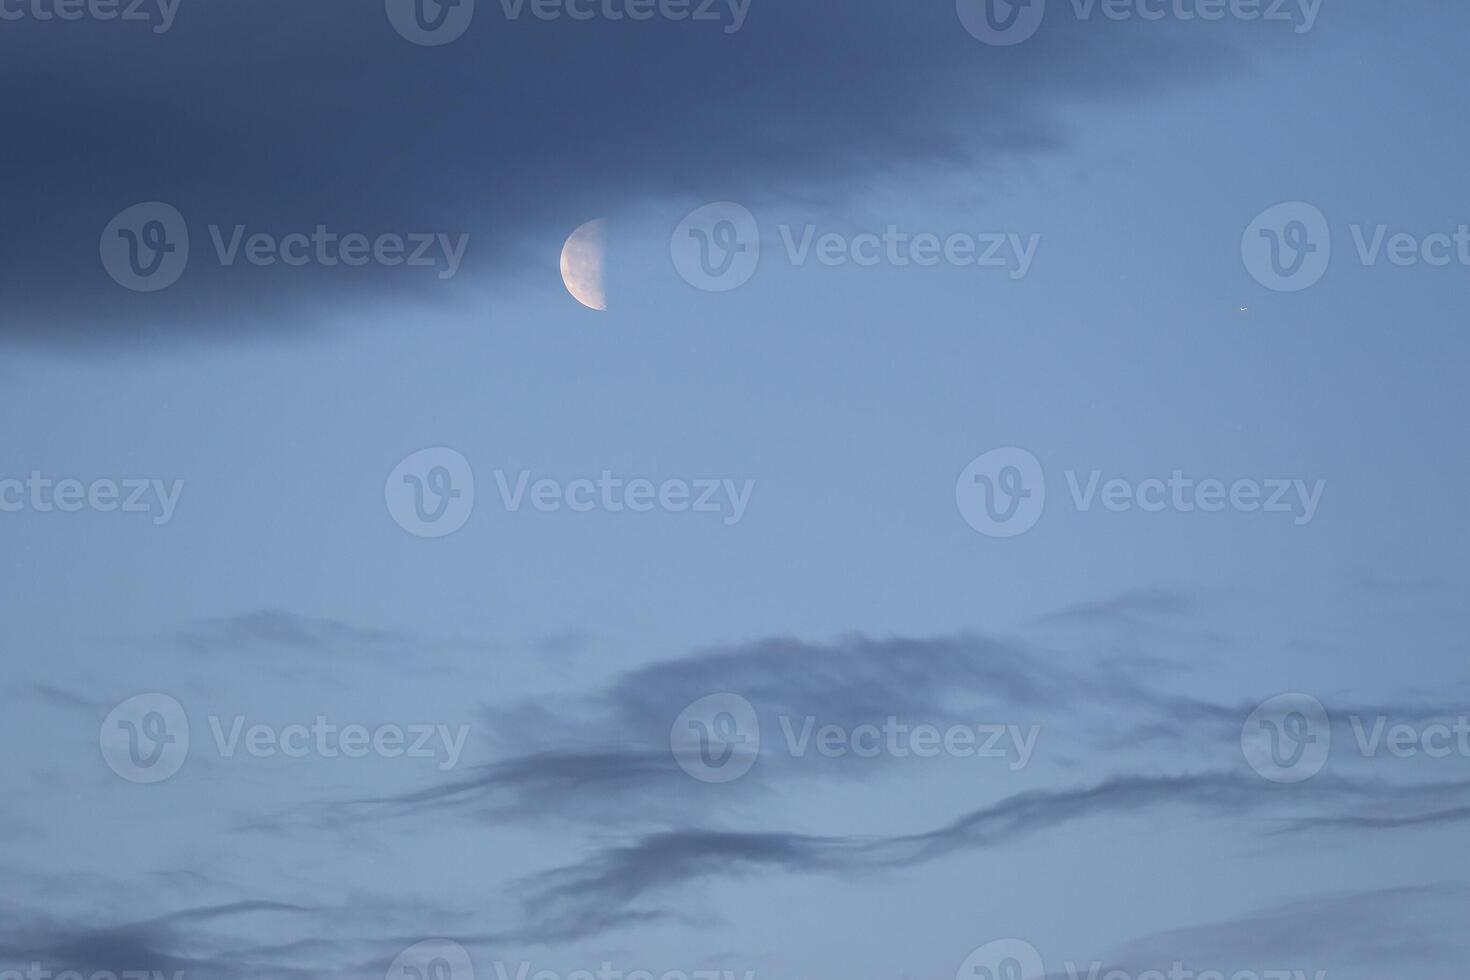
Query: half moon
x,y
584,264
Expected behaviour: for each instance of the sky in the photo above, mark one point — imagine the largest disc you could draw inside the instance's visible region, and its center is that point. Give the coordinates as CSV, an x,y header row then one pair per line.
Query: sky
x,y
1006,524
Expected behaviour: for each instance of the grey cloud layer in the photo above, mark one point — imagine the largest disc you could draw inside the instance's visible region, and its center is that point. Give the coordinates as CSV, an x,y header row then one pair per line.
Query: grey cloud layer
x,y
596,753
592,895
568,755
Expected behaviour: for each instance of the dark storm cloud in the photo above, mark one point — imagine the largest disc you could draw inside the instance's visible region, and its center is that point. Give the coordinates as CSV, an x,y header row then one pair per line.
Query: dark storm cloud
x,y
281,116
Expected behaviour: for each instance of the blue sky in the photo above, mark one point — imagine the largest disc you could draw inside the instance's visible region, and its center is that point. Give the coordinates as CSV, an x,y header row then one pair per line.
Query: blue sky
x,y
560,815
